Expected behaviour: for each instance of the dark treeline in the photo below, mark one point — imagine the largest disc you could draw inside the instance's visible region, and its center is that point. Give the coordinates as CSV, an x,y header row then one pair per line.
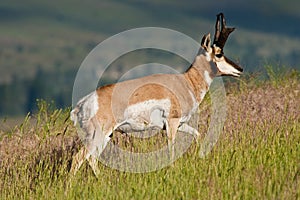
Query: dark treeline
x,y
19,96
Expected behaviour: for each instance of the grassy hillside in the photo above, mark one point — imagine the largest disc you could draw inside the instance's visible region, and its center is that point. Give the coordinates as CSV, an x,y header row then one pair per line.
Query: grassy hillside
x,y
256,157
44,40
59,34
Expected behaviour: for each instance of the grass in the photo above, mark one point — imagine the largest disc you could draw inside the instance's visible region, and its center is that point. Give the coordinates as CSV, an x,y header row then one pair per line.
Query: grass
x,y
43,42
256,157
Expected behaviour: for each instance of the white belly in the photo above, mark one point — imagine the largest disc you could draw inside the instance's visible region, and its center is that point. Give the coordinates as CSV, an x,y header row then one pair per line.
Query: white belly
x,y
151,114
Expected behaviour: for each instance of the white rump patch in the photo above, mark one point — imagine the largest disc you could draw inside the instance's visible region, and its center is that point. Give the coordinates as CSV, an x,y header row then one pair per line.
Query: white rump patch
x,y
86,108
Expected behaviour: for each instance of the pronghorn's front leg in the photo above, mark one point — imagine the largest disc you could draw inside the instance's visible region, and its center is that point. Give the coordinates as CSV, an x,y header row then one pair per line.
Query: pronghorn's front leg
x,y
172,126
188,129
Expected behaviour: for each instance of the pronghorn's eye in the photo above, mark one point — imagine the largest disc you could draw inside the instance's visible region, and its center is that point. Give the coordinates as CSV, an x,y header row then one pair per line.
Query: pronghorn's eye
x,y
219,55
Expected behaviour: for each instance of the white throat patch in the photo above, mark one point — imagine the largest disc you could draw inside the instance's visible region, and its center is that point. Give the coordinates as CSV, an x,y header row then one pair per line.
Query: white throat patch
x,y
207,78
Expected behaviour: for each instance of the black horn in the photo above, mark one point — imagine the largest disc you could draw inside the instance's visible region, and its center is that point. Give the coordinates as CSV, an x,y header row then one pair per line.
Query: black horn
x,y
222,32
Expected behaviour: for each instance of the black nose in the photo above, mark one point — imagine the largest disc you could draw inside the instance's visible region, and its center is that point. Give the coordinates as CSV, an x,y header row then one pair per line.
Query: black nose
x,y
240,69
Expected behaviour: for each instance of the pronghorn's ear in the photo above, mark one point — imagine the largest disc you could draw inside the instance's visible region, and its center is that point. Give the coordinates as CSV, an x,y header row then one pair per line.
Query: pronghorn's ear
x,y
205,42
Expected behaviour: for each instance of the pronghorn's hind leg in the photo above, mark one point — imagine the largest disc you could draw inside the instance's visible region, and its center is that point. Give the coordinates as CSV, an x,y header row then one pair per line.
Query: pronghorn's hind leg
x,y
78,160
172,126
85,154
95,140
93,162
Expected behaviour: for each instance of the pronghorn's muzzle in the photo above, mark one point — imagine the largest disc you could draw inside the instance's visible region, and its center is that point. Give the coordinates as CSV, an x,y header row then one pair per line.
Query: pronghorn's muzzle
x,y
239,69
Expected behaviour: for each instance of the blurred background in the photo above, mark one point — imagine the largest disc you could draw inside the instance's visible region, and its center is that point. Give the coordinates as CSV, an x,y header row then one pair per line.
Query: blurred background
x,y
43,43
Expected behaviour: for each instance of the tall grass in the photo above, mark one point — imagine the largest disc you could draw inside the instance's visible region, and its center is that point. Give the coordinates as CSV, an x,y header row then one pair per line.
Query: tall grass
x,y
256,157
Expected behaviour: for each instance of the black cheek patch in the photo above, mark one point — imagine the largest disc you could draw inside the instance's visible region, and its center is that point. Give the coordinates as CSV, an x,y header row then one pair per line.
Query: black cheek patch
x,y
219,55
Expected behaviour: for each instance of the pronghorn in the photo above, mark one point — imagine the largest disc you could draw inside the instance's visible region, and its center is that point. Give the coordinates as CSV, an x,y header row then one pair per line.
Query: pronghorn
x,y
160,101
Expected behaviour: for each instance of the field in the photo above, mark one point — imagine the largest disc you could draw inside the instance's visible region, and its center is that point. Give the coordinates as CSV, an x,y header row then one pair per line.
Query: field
x,y
256,157
42,44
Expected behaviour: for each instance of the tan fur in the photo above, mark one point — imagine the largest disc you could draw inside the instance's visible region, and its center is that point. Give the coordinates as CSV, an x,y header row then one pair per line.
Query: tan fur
x,y
180,89
114,99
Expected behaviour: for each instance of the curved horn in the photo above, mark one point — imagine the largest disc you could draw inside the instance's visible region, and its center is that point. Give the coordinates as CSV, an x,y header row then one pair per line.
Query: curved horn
x,y
221,35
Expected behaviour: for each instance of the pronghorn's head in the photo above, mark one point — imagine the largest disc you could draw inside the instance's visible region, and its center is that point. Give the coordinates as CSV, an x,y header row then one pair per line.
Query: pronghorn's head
x,y
215,52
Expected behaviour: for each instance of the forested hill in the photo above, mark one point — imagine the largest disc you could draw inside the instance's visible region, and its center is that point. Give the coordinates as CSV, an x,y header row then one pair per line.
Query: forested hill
x,y
42,43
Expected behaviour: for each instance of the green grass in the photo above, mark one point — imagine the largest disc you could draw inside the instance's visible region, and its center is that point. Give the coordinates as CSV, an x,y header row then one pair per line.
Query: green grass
x,y
256,157
52,38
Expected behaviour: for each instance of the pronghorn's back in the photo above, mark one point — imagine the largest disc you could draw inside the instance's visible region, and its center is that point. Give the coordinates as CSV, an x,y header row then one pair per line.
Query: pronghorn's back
x,y
160,101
